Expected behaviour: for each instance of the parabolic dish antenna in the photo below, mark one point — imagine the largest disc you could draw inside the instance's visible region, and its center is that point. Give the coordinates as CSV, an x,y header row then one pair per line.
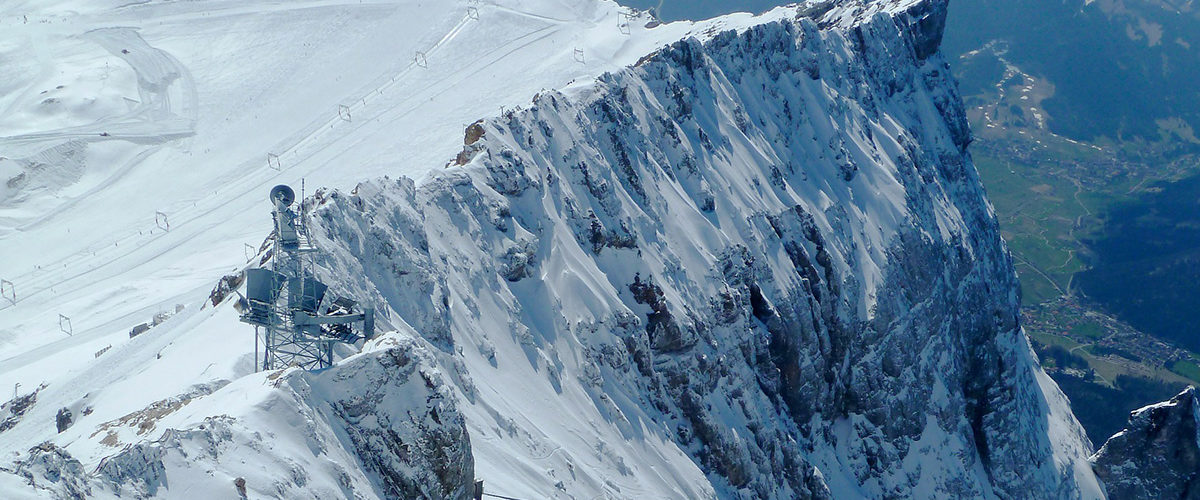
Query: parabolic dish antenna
x,y
283,194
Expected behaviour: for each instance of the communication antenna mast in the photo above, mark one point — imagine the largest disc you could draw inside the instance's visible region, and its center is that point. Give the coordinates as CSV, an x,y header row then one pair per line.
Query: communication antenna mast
x,y
285,301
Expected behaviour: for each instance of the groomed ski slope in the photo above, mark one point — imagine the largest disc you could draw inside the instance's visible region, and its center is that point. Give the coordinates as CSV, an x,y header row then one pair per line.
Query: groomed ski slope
x,y
147,116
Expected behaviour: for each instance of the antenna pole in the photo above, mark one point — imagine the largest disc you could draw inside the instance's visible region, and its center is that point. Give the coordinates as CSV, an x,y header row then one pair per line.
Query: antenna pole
x,y
275,249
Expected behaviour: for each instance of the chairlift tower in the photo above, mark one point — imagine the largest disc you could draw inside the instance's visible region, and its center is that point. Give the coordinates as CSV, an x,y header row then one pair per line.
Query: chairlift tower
x,y
284,302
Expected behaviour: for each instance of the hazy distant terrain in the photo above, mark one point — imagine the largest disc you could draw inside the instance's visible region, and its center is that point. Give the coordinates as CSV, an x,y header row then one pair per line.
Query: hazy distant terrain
x,y
1076,107
1079,110
1085,119
1149,262
1122,72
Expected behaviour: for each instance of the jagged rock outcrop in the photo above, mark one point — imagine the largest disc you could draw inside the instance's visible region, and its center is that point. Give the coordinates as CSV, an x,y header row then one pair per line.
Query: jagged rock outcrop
x,y
1157,455
13,409
393,410
51,471
769,245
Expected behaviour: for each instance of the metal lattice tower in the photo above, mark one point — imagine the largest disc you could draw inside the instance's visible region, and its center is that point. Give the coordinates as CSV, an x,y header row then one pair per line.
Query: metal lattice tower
x,y
284,302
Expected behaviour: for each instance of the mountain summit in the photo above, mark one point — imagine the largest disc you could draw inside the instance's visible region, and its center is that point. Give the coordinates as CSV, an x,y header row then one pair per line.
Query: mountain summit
x,y
755,262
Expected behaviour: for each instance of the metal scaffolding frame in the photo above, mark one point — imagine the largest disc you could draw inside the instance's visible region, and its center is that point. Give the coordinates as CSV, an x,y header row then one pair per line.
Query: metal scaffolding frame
x,y
284,301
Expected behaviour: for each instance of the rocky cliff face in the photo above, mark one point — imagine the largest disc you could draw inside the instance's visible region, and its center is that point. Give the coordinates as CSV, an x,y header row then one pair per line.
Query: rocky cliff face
x,y
766,250
1158,453
391,409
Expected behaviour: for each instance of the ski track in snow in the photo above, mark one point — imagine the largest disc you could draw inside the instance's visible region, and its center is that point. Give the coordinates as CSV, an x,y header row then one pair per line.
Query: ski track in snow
x,y
153,121
311,140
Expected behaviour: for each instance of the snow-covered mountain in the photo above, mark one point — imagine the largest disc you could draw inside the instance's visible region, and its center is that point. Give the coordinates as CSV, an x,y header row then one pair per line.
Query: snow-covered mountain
x,y
751,260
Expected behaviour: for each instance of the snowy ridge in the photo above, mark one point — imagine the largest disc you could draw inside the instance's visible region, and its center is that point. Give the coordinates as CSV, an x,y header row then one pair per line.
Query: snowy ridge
x,y
757,263
766,246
